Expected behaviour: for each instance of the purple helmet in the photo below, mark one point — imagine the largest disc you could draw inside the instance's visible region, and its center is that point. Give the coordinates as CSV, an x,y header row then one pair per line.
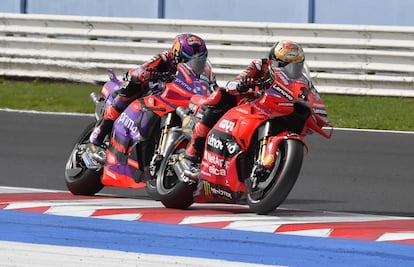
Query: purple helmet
x,y
187,45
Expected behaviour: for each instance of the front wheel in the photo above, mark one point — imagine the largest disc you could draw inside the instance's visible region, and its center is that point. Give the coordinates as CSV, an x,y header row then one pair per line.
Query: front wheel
x,y
272,187
78,178
173,192
151,188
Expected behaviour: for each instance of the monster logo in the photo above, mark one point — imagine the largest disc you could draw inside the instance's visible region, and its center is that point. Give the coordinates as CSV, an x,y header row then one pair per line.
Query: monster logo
x,y
207,190
216,191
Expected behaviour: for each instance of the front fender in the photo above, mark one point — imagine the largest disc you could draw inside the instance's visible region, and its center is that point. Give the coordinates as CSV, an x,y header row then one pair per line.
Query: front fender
x,y
273,143
175,136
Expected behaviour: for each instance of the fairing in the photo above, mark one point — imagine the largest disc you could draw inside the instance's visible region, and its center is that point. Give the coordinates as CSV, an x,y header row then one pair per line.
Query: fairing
x,y
287,105
125,157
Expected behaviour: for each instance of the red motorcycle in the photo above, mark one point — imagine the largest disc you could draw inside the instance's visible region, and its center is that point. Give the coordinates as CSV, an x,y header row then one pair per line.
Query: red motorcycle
x,y
253,153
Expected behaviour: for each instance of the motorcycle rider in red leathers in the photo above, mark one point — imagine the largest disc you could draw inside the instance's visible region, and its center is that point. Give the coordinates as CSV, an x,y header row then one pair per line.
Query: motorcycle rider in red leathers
x,y
137,80
283,54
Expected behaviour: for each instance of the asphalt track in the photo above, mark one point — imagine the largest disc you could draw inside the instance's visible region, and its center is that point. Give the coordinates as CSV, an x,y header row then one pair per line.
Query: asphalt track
x,y
355,171
361,172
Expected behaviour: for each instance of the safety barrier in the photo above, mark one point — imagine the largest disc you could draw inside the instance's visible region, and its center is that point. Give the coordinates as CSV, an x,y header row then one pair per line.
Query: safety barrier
x,y
344,59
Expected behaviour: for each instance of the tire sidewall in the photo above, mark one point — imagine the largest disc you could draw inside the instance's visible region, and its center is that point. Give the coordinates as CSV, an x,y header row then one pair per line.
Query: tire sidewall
x,y
88,182
285,181
181,195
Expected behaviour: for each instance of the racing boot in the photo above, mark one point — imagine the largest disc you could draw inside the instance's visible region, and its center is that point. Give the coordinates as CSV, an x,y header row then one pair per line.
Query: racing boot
x,y
101,131
192,155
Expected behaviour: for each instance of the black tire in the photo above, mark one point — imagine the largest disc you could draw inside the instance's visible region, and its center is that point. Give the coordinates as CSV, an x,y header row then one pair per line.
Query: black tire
x,y
173,192
151,183
151,189
276,187
79,179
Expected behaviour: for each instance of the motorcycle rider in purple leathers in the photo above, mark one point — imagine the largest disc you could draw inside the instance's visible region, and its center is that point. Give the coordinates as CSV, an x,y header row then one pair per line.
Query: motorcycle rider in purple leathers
x,y
137,80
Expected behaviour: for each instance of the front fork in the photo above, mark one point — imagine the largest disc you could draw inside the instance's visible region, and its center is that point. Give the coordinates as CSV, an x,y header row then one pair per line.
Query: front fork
x,y
268,153
159,152
261,157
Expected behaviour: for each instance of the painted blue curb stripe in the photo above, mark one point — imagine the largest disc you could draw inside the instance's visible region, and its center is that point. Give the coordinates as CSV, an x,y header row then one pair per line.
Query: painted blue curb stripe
x,y
233,245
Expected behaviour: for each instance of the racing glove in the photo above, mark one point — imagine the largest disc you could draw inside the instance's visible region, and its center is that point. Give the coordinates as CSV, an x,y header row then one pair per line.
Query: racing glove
x,y
245,84
155,76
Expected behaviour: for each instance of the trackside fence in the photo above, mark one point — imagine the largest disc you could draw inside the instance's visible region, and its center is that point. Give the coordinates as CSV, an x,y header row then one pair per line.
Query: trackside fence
x,y
344,59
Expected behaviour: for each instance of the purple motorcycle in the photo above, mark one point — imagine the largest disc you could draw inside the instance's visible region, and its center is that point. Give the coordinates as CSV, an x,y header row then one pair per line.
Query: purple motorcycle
x,y
137,137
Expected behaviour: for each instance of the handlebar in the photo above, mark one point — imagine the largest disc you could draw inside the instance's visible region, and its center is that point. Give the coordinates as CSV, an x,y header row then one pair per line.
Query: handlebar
x,y
162,76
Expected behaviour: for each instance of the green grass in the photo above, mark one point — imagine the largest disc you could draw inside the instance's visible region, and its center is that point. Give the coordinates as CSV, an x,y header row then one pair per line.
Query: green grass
x,y
364,112
47,96
370,112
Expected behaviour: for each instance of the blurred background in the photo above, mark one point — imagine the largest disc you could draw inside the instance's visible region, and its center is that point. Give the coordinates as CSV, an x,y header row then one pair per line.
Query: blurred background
x,y
368,12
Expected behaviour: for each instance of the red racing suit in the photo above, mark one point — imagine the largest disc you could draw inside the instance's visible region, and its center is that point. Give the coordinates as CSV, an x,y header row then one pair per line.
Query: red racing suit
x,y
221,100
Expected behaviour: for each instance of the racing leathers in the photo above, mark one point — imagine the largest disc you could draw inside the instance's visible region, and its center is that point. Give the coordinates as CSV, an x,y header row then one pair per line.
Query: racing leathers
x,y
221,100
135,85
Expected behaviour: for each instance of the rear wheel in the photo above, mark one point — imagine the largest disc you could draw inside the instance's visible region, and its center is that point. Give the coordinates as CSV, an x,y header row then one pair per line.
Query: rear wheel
x,y
78,178
269,188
